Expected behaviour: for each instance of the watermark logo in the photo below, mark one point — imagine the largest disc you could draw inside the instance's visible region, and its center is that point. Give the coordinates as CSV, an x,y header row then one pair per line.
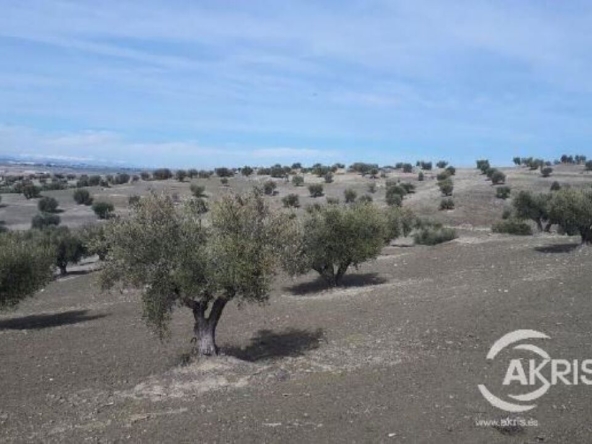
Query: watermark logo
x,y
540,373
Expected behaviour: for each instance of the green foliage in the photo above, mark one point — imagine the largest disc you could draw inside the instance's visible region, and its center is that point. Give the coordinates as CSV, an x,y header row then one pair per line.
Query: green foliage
x,y
31,191
224,172
26,266
393,198
197,190
407,168
350,195
93,240
443,175
162,174
503,192
133,200
447,204
315,190
333,238
328,178
145,175
532,206
507,213
588,165
175,261
555,186
47,205
224,181
571,209
546,171
366,198
498,177
297,181
446,186
269,187
121,179
408,187
332,200
180,175
364,168
94,180
82,197
420,176
372,187
483,165
517,161
441,164
451,170
433,235
246,171
103,210
67,246
400,222
291,200
43,220
512,226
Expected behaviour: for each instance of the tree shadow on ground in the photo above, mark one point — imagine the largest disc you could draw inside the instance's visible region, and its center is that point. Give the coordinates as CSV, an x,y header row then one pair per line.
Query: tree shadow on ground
x,y
348,281
37,322
271,345
557,248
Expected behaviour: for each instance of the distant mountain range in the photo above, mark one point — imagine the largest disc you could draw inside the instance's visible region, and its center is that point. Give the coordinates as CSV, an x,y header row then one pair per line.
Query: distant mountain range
x,y
43,161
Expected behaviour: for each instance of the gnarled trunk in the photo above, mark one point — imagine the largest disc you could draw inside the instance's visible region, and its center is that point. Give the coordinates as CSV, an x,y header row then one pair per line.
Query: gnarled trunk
x,y
586,233
204,328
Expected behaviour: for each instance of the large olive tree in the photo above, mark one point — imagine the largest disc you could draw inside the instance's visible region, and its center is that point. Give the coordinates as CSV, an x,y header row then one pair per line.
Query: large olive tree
x,y
176,261
25,267
535,207
333,238
571,209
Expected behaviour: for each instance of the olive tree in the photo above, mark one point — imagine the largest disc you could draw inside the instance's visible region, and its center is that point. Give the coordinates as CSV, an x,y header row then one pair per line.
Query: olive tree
x,y
67,246
534,207
26,266
571,209
332,238
175,261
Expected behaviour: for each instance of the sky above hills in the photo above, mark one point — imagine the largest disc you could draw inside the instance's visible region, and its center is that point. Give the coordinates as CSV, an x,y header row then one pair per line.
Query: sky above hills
x,y
204,84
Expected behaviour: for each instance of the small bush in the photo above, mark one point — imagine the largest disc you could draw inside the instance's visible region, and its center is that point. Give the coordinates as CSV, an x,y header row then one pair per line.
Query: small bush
x,y
224,181
315,190
442,176
555,186
246,171
498,177
82,197
269,187
507,213
421,176
446,186
47,205
588,165
350,195
332,201
180,175
447,204
133,200
328,178
441,164
512,226
197,190
366,198
43,220
297,181
503,192
407,168
408,187
546,171
31,191
433,235
394,199
103,210
291,200
451,170
372,187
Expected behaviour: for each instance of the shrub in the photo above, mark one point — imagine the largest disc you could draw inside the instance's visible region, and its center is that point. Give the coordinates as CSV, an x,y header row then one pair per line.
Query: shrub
x,y
197,190
447,204
269,187
121,179
498,177
246,171
162,174
47,205
571,209
451,170
441,164
297,181
67,247
446,187
350,195
443,175
94,180
372,187
224,181
407,168
145,175
512,226
546,171
291,200
533,207
393,199
82,197
433,235
332,200
180,175
328,178
420,176
408,187
483,165
399,222
43,220
26,266
517,161
503,192
224,172
366,198
315,190
555,186
103,210
31,191
588,165
133,200
333,238
507,213
176,262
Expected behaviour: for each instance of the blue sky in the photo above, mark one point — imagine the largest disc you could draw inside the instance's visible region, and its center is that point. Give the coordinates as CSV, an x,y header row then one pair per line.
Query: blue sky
x,y
204,84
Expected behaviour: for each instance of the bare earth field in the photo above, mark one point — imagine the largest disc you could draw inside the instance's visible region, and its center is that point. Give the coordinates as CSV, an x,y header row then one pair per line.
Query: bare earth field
x,y
395,355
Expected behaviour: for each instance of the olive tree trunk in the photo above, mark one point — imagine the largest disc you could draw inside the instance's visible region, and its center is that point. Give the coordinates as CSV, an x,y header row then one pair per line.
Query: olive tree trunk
x,y
204,328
